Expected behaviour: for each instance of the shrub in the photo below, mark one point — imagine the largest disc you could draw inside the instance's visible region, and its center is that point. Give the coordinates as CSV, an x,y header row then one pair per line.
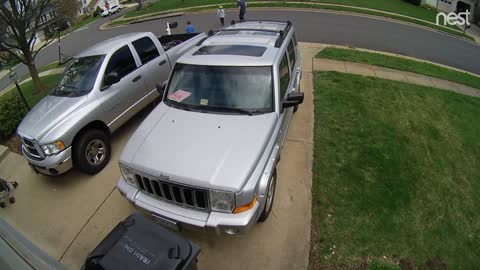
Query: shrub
x,y
97,11
415,2
12,111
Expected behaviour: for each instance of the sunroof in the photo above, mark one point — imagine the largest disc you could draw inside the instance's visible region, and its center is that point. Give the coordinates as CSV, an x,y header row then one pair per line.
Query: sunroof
x,y
244,50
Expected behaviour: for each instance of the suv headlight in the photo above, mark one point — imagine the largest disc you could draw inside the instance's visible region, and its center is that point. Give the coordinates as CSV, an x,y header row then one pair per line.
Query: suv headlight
x,y
53,148
128,175
222,201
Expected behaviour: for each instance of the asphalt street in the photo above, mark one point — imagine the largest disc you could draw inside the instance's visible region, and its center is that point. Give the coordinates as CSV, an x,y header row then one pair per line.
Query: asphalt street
x,y
311,26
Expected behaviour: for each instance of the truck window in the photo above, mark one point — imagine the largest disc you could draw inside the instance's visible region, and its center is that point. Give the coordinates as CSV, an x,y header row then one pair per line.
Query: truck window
x,y
121,62
146,49
284,73
291,54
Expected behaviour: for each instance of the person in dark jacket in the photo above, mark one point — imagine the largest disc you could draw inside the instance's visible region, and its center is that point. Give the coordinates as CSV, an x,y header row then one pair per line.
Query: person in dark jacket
x,y
243,9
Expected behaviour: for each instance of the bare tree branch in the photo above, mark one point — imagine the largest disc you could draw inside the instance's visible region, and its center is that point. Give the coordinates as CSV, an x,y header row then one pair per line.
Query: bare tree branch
x,y
23,20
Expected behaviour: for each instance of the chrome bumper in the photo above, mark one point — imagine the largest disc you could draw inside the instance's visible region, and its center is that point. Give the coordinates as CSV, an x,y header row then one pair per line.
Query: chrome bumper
x,y
188,218
52,165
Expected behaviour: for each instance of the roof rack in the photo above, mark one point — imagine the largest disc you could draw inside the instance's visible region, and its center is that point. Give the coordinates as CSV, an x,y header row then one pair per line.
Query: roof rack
x,y
278,42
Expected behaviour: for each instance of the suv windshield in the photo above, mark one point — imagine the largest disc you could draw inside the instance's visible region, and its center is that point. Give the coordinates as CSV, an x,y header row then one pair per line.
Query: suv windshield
x,y
79,77
222,88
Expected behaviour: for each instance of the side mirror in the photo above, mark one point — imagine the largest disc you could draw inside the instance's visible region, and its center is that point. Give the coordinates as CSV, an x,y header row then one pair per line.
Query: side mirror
x,y
173,25
161,89
293,99
111,78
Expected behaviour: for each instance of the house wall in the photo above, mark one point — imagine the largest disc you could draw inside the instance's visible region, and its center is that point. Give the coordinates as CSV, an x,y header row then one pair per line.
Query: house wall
x,y
451,5
83,7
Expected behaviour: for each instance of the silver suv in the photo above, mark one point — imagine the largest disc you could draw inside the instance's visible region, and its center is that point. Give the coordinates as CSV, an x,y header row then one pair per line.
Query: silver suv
x,y
206,155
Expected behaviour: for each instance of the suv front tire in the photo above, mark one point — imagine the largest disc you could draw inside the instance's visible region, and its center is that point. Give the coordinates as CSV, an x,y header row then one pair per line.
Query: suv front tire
x,y
270,196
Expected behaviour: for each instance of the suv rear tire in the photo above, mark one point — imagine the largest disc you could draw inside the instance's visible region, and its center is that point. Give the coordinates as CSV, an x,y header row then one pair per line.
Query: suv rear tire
x,y
91,152
270,196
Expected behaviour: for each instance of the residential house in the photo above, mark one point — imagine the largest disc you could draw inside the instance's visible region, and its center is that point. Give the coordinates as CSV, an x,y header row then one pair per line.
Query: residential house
x,y
454,6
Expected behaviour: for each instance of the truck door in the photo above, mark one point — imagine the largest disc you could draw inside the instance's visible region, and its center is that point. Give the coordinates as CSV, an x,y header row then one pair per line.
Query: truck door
x,y
122,100
155,66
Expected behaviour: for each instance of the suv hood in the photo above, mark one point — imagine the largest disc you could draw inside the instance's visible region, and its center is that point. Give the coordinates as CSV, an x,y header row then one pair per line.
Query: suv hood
x,y
48,113
208,150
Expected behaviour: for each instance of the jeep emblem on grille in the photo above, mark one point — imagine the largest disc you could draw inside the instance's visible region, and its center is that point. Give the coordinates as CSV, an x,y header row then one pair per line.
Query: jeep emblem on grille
x,y
163,177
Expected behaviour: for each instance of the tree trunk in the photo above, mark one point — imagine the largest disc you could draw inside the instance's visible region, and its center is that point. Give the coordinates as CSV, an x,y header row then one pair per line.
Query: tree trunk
x,y
33,72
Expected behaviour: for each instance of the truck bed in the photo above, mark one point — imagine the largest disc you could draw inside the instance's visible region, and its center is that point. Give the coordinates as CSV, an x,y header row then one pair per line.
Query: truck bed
x,y
176,45
170,41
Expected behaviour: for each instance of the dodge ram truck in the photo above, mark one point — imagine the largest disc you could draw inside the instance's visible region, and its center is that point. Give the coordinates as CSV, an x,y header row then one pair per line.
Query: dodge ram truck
x,y
206,156
104,86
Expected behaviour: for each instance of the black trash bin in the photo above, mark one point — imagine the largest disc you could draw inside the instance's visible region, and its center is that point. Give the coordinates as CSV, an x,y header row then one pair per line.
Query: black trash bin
x,y
137,243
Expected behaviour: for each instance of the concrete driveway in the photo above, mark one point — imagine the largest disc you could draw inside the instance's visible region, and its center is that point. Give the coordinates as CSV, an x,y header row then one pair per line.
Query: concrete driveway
x,y
67,216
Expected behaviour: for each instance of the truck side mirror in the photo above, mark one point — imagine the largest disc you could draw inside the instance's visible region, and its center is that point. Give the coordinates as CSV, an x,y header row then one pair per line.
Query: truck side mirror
x,y
173,25
111,78
293,99
161,89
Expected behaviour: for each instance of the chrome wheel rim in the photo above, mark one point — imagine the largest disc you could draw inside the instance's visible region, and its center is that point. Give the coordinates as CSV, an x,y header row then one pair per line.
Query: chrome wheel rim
x,y
271,190
95,152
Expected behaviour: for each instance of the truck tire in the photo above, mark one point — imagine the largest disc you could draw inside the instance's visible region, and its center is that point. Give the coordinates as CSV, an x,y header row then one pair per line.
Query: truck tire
x,y
270,196
91,151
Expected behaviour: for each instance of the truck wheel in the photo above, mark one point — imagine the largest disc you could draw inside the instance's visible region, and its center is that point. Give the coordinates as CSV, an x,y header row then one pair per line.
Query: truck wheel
x,y
91,152
270,196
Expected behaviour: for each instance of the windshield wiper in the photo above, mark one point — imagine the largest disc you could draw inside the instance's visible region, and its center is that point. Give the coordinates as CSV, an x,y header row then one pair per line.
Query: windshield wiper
x,y
183,106
226,109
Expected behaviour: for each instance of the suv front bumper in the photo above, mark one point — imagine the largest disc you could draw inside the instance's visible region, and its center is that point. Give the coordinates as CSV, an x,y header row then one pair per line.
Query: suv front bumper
x,y
188,218
52,165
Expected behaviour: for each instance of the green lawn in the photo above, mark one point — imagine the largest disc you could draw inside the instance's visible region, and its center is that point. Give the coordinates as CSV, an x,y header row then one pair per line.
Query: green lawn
x,y
400,64
28,90
396,174
83,23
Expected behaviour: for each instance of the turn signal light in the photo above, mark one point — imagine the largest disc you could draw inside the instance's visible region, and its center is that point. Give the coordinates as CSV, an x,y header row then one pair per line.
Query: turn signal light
x,y
245,207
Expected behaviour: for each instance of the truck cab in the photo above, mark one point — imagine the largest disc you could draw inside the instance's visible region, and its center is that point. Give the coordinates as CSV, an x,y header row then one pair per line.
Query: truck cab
x,y
206,156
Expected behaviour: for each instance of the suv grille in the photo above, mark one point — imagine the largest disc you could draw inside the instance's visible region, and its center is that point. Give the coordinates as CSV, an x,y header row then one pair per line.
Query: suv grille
x,y
173,193
31,149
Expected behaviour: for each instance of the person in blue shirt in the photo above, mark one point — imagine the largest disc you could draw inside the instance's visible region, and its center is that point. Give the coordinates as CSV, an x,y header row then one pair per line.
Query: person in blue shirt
x,y
189,29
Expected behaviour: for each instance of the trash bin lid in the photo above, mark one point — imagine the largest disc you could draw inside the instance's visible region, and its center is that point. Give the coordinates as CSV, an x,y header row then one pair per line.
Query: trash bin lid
x,y
143,245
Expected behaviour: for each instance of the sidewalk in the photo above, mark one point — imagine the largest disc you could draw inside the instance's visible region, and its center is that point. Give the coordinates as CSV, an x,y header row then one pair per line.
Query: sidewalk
x,y
321,64
474,31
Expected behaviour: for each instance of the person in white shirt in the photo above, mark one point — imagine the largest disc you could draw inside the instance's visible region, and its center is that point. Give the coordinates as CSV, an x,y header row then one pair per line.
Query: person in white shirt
x,y
221,15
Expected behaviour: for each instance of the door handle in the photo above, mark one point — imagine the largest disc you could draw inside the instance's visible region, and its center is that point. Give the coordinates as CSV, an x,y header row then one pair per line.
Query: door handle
x,y
162,62
137,78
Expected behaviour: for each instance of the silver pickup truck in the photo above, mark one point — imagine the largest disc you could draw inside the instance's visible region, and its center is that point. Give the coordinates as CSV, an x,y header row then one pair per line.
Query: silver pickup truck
x,y
103,87
206,156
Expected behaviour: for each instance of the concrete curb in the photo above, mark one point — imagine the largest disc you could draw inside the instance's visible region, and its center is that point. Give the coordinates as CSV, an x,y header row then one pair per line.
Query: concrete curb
x,y
3,152
106,26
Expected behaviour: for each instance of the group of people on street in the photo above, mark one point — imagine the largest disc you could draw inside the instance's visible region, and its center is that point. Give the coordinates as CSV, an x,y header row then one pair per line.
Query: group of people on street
x,y
242,5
